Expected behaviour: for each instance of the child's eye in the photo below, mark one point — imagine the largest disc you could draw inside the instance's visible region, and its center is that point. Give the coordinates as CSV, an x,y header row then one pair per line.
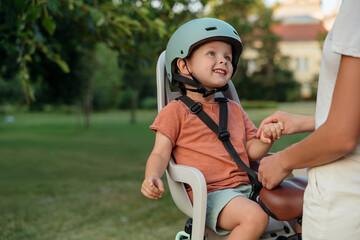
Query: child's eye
x,y
228,58
211,53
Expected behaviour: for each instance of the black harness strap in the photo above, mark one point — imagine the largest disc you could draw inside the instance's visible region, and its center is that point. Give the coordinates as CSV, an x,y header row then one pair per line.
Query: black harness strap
x,y
196,108
224,136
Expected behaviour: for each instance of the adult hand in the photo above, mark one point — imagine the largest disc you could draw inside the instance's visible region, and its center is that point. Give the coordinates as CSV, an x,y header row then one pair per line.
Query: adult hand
x,y
270,172
292,123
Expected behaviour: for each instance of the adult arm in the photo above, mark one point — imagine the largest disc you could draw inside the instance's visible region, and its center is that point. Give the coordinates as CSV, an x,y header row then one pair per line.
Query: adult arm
x,y
336,137
292,123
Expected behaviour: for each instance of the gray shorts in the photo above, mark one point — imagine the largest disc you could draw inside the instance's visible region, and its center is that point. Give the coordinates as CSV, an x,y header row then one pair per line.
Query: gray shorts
x,y
217,200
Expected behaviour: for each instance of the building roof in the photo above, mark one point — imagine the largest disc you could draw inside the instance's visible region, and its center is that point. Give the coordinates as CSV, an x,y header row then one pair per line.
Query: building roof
x,y
298,32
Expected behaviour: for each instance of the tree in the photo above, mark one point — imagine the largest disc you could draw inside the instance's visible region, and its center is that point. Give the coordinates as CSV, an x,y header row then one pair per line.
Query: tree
x,y
148,44
253,20
56,33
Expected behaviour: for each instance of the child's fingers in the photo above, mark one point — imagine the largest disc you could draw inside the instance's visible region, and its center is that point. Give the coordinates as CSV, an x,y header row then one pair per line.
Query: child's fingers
x,y
282,125
275,131
269,131
150,181
160,185
278,131
150,192
156,185
266,135
147,191
153,184
264,138
161,188
267,120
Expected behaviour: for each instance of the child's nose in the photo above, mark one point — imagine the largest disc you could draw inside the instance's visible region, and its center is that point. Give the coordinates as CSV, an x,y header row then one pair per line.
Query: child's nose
x,y
222,60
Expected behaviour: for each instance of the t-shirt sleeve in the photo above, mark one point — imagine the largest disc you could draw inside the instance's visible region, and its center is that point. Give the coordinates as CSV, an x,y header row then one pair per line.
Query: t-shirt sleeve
x,y
346,31
250,127
168,121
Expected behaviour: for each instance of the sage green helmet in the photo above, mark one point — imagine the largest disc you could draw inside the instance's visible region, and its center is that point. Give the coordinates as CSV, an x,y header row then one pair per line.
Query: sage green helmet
x,y
196,32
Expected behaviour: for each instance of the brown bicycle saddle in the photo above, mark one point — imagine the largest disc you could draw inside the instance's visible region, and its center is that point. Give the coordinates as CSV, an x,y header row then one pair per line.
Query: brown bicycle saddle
x,y
284,202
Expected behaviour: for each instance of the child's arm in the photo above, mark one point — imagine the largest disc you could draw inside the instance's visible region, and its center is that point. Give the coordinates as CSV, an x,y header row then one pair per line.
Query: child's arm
x,y
257,148
158,160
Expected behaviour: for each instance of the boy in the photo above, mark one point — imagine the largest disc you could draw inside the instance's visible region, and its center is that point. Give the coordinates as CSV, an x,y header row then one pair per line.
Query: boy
x,y
201,57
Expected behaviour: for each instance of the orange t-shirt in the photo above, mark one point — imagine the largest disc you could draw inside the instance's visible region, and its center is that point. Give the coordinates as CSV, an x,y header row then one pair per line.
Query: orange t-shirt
x,y
196,145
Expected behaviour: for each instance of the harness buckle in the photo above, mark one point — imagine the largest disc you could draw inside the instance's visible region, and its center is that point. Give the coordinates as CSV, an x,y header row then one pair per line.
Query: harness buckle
x,y
224,135
196,108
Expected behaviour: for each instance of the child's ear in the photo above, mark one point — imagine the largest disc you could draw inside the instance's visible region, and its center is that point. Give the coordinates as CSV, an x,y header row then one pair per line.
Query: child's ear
x,y
182,66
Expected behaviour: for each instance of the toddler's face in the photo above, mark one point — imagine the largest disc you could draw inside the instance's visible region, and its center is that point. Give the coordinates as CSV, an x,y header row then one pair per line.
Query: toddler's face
x,y
211,64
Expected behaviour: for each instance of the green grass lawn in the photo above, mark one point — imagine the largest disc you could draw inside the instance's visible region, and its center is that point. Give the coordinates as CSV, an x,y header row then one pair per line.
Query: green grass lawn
x,y
60,181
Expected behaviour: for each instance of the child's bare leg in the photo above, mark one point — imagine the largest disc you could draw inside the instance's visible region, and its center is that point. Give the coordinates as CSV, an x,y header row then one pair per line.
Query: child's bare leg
x,y
244,218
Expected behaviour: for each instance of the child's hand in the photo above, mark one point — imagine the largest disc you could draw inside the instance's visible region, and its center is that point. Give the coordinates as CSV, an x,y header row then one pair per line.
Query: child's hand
x,y
271,132
152,187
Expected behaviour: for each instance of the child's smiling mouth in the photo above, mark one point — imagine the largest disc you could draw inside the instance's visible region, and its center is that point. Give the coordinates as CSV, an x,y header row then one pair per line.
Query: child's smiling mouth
x,y
223,72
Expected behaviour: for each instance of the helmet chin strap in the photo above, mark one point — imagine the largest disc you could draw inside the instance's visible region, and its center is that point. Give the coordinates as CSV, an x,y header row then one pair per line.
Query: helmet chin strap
x,y
196,83
207,93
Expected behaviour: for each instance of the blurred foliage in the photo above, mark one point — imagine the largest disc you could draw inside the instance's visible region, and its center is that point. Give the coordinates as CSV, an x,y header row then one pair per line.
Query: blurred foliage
x,y
106,78
101,54
10,91
271,80
59,31
54,47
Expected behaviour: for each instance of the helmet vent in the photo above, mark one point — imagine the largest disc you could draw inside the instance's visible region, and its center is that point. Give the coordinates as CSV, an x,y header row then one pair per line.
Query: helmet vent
x,y
210,28
236,33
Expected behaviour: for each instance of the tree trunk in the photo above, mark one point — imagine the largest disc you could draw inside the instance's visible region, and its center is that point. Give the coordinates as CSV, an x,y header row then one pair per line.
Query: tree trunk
x,y
88,103
270,68
134,98
79,113
3,112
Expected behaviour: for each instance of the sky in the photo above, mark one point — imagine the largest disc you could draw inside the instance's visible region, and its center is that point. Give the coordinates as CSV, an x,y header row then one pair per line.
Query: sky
x,y
327,5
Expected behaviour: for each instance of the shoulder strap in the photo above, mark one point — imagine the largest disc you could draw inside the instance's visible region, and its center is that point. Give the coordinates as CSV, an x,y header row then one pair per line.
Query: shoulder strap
x,y
196,108
224,136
